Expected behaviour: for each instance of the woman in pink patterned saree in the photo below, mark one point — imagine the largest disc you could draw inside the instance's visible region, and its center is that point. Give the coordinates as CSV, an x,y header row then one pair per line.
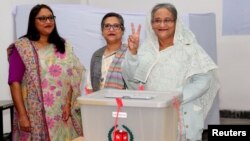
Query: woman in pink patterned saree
x,y
44,78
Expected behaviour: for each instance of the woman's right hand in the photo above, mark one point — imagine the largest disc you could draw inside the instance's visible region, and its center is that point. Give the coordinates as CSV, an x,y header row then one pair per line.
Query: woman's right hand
x,y
134,39
24,123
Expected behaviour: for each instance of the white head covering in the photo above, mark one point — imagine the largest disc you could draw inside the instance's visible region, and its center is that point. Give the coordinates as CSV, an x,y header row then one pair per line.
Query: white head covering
x,y
183,39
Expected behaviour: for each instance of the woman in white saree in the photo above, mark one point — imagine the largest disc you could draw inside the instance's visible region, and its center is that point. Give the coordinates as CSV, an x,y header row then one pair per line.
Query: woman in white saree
x,y
170,59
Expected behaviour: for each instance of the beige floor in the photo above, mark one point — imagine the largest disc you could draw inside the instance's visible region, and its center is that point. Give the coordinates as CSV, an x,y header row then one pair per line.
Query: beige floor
x,y
235,121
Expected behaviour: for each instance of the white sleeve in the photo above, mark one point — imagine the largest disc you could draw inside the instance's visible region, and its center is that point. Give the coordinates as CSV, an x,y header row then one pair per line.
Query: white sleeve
x,y
129,66
197,86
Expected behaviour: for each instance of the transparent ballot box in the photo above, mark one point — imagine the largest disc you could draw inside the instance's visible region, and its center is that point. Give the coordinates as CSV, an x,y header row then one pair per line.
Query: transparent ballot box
x,y
145,115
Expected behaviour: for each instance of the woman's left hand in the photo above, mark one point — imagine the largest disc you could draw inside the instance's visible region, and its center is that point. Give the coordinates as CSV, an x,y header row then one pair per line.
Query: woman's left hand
x,y
66,112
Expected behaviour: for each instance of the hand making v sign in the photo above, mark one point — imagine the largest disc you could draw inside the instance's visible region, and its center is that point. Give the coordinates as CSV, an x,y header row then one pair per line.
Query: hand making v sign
x,y
134,39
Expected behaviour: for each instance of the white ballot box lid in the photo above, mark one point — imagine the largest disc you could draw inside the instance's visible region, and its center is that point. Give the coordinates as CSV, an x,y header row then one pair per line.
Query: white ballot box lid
x,y
131,98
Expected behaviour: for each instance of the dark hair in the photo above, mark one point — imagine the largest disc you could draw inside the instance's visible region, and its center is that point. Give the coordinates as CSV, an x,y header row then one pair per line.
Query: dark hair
x,y
112,14
34,35
168,6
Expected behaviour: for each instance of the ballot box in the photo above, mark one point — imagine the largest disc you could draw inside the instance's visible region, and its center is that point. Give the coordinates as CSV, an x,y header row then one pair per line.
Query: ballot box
x,y
145,115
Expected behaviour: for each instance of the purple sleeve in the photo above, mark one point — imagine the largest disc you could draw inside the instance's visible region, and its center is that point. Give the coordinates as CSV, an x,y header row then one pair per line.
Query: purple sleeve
x,y
16,67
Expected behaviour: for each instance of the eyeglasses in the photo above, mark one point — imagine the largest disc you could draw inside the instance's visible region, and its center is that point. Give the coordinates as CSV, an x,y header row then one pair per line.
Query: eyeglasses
x,y
114,26
44,19
165,21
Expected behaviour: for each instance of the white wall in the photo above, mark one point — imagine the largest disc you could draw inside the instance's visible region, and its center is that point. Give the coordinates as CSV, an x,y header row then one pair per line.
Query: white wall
x,y
233,51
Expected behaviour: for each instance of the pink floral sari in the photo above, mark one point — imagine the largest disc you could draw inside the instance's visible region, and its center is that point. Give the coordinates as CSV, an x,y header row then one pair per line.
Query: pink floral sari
x,y
48,77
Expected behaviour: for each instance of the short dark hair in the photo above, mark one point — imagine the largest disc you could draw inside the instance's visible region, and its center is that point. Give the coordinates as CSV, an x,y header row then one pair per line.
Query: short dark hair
x,y
113,14
34,35
167,6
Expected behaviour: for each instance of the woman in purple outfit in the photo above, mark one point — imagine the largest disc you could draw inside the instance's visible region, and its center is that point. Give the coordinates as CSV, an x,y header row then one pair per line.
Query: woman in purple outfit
x,y
44,78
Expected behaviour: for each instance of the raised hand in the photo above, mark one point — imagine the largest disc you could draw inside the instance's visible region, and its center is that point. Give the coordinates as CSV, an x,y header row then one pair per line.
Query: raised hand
x,y
134,39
